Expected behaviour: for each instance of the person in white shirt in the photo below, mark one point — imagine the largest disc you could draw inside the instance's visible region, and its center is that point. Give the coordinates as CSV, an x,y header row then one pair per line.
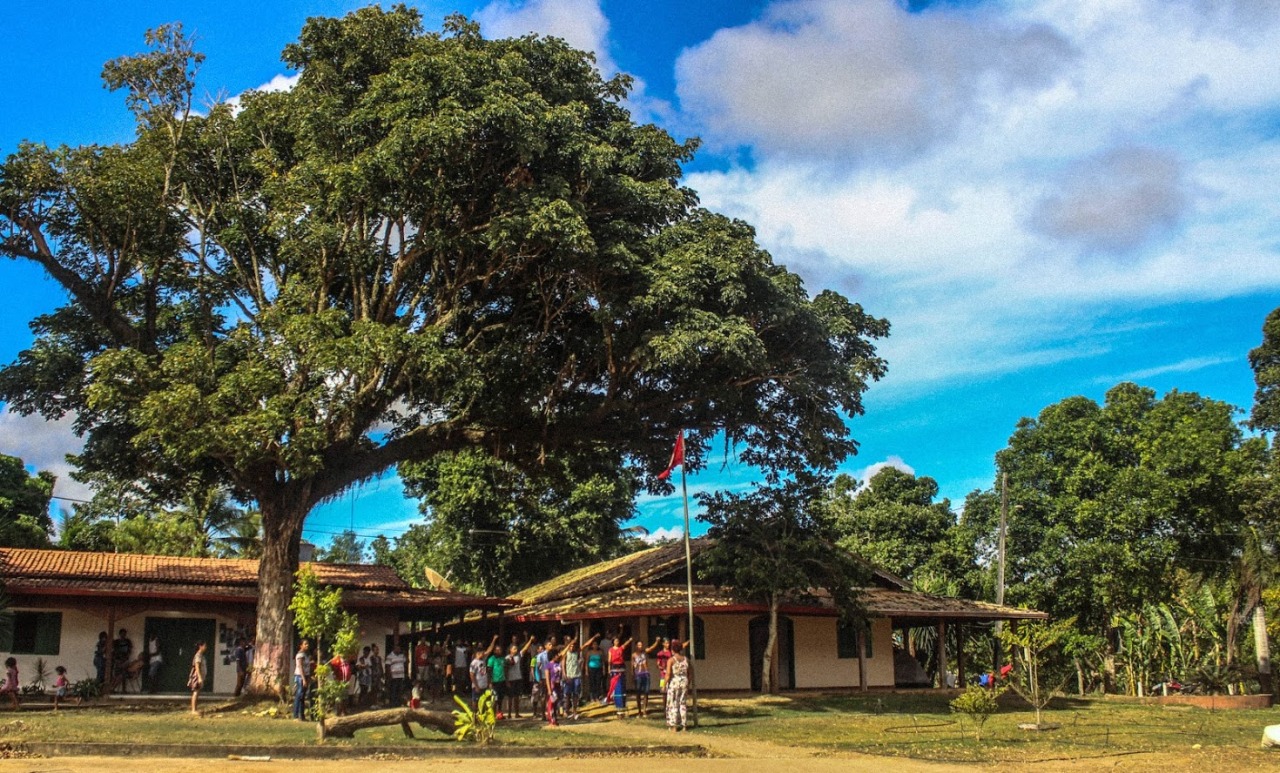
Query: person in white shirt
x,y
396,664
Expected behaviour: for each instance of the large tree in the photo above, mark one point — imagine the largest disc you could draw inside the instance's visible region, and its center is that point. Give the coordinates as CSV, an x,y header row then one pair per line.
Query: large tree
x,y
1107,500
494,528
24,505
894,522
434,242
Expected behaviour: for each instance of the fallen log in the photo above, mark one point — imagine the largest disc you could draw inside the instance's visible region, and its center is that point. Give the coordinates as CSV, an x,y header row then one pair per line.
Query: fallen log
x,y
346,726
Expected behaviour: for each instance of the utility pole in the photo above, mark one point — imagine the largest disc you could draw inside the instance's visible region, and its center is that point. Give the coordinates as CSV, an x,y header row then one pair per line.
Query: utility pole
x,y
1004,525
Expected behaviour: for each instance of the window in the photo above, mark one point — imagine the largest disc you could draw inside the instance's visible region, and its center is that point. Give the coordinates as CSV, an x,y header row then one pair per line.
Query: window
x,y
847,639
34,633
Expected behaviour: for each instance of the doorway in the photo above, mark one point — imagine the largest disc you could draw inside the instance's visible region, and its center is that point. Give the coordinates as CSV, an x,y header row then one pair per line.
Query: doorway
x,y
758,635
178,638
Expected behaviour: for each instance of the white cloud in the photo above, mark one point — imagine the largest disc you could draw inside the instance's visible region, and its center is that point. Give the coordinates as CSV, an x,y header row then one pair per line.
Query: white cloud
x,y
665,534
860,77
44,445
894,461
1181,366
581,23
1131,172
278,82
1114,201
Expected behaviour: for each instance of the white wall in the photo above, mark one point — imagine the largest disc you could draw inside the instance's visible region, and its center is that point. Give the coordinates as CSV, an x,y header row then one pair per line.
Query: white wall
x,y
727,665
818,664
80,638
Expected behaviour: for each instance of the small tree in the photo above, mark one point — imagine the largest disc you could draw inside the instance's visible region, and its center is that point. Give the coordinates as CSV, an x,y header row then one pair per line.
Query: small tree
x,y
318,615
775,544
979,703
1036,674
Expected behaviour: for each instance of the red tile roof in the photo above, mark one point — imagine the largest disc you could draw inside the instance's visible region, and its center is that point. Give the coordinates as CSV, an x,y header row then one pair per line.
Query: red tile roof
x,y
67,572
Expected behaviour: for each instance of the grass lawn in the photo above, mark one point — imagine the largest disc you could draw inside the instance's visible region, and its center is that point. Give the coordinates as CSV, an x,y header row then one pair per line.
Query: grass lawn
x,y
909,726
170,725
923,727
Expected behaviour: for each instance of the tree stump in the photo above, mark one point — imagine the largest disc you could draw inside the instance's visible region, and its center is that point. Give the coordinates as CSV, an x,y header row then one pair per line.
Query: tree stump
x,y
346,726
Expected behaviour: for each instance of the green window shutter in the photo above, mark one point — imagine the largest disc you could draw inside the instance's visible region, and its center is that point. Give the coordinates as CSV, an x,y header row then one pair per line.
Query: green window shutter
x,y
6,633
48,633
846,640
699,639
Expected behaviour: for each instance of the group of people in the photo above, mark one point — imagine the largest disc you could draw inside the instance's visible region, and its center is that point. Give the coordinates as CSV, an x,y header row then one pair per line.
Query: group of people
x,y
124,665
555,677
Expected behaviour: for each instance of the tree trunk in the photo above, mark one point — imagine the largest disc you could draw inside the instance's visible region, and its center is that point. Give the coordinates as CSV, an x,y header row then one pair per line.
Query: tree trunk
x,y
346,726
281,535
768,684
1079,676
1262,645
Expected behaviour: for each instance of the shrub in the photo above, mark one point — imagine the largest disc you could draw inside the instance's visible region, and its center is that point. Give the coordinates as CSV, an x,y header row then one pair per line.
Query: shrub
x,y
478,724
979,703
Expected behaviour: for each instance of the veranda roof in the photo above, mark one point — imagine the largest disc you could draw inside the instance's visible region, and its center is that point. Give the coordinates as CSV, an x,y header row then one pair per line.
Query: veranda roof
x,y
651,583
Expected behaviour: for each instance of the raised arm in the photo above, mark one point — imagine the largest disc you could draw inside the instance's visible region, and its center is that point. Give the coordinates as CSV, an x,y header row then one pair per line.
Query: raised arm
x,y
657,642
492,645
525,648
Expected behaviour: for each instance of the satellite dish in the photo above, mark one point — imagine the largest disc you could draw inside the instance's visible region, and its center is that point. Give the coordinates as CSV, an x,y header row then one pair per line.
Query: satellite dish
x,y
437,580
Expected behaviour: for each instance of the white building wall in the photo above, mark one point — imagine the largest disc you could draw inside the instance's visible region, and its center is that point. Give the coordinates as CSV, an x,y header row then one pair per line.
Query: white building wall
x,y
727,665
818,664
79,639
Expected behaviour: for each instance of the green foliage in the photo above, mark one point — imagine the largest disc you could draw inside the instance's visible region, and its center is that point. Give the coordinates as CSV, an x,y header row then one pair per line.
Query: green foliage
x,y
40,673
776,544
326,695
1184,640
494,528
978,703
318,615
477,725
894,522
86,689
1039,665
1265,361
1107,500
344,548
24,505
434,242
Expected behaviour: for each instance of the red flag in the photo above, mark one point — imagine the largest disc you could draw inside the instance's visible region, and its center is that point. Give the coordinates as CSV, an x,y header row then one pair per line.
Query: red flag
x,y
677,457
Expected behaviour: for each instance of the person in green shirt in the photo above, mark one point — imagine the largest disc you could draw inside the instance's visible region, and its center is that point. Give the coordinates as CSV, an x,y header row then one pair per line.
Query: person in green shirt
x,y
497,665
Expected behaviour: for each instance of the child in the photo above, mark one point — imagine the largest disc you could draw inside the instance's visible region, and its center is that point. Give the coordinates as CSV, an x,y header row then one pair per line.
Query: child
x,y
11,680
60,686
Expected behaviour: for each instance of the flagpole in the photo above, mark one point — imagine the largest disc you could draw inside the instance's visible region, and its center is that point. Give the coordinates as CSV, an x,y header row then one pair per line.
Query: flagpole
x,y
688,570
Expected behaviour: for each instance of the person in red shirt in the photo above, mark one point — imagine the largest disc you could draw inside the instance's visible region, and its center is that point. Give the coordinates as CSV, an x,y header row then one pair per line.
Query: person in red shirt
x,y
618,675
421,662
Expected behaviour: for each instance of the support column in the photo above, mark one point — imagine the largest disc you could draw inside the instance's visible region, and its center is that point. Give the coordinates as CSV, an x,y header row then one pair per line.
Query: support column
x,y
942,654
861,644
961,682
109,676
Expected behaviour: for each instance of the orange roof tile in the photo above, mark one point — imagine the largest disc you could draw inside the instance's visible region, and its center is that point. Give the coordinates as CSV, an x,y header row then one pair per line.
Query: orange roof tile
x,y
63,572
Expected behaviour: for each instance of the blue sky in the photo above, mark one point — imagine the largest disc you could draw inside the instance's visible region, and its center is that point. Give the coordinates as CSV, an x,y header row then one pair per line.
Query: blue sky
x,y
1045,198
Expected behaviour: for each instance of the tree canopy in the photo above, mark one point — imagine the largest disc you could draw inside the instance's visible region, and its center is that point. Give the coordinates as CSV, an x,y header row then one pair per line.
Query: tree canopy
x,y
433,243
1107,500
495,528
24,505
894,522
